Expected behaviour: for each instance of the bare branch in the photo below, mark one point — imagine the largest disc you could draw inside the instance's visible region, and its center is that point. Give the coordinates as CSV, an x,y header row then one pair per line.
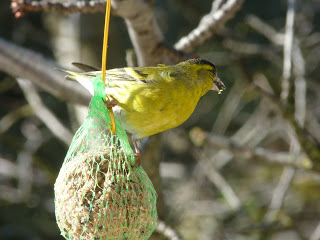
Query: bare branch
x,y
230,107
316,233
8,169
9,194
46,116
279,193
287,52
313,125
288,173
167,231
258,153
20,62
252,132
208,25
145,34
131,58
284,184
300,101
146,37
21,7
217,179
8,120
308,142
265,29
216,5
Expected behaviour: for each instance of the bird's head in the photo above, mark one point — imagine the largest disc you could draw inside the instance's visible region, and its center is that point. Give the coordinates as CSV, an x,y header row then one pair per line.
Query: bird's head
x,y
207,73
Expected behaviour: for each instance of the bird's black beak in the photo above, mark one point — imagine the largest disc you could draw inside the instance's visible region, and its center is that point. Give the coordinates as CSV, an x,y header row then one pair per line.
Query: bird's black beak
x,y
218,85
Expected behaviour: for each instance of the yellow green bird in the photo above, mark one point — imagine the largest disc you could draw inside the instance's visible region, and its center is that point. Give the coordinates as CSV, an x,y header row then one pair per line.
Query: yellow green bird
x,y
149,100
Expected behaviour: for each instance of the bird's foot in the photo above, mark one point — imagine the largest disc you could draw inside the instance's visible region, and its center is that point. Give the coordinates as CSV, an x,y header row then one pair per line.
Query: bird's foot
x,y
137,157
137,154
110,103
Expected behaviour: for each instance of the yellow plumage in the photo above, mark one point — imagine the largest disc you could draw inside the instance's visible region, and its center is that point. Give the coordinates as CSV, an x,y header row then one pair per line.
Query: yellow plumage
x,y
153,99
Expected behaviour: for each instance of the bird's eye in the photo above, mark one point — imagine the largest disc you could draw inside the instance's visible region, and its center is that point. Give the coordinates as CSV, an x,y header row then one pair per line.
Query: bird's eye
x,y
213,71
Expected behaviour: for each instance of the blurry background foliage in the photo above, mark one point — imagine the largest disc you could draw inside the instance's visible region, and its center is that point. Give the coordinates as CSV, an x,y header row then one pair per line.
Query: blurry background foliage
x,y
211,190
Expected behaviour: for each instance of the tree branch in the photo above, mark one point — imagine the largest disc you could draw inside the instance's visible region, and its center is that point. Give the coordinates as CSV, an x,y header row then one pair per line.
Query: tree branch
x,y
258,153
167,231
208,25
309,144
218,180
46,116
12,117
287,52
283,186
21,7
20,62
316,233
145,34
265,29
300,101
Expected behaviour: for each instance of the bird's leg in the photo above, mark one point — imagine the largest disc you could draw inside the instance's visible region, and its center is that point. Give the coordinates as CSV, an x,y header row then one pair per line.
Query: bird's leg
x,y
137,154
110,103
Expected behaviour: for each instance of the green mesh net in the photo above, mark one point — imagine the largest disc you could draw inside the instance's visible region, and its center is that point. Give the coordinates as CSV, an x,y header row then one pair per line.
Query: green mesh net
x,y
98,192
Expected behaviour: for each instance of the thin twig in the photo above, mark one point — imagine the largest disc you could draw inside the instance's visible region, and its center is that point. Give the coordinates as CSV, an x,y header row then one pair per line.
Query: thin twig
x,y
313,125
242,48
287,52
12,117
265,29
316,233
279,193
145,34
216,4
308,142
21,7
8,168
26,174
252,132
43,113
208,25
230,107
217,179
284,184
15,61
167,231
300,85
9,194
257,153
131,58
288,172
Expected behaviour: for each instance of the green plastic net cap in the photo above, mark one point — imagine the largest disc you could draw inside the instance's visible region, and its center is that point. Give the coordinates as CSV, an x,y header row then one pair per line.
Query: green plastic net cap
x,y
99,194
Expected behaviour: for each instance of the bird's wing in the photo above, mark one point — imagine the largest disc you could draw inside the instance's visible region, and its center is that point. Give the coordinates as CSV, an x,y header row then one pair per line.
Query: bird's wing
x,y
126,74
137,74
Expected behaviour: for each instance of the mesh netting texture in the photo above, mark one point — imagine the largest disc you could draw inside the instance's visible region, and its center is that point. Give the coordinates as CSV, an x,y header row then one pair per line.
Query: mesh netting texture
x,y
99,194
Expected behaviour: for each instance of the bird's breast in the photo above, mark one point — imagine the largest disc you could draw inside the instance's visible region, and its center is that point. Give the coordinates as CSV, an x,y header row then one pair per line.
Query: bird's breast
x,y
149,110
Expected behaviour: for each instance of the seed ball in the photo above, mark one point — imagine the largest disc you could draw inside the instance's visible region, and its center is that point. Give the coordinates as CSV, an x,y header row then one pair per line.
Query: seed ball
x,y
103,197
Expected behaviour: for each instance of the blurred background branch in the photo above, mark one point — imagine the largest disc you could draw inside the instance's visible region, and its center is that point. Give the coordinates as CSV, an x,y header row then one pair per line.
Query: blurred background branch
x,y
220,13
21,7
21,62
244,166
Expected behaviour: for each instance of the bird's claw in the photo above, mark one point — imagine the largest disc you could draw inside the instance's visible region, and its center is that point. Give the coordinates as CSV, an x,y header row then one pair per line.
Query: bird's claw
x,y
137,154
137,157
110,103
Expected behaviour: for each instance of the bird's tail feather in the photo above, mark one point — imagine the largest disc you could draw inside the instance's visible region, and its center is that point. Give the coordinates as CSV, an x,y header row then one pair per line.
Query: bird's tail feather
x,y
81,78
71,75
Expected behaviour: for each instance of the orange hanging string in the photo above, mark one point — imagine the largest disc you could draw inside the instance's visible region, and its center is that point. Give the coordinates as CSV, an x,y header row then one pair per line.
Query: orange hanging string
x,y
104,60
